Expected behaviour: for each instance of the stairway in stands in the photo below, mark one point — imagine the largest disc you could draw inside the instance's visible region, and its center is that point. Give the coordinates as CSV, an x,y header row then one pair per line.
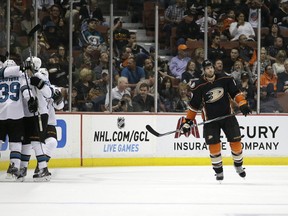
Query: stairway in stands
x,y
142,38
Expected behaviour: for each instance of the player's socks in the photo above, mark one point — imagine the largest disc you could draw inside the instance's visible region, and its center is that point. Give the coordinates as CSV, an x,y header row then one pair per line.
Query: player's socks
x,y
217,166
238,161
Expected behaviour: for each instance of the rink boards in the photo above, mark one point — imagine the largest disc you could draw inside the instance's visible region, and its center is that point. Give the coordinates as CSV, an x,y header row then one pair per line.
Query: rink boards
x,y
89,139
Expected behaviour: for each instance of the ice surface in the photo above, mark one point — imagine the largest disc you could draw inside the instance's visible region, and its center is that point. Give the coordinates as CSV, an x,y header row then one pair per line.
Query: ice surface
x,y
145,191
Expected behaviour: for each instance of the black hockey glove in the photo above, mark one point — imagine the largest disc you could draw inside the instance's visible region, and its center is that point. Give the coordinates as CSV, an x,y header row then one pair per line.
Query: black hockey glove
x,y
245,109
33,105
35,81
57,97
186,125
25,66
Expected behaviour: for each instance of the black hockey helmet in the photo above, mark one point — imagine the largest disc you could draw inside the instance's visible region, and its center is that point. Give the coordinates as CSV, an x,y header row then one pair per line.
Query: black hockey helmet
x,y
206,63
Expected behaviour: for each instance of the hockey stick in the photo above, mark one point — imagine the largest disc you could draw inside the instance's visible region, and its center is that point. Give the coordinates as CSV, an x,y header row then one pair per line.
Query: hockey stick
x,y
155,133
34,30
30,35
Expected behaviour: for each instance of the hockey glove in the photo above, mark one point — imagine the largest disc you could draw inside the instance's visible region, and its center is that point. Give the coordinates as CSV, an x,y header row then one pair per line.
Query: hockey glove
x,y
33,105
25,66
245,109
186,126
57,97
35,81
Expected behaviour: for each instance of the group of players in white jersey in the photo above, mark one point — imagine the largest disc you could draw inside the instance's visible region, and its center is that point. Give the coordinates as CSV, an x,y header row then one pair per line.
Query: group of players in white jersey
x,y
27,116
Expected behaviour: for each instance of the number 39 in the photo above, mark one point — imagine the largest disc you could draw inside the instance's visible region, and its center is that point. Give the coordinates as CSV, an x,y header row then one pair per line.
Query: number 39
x,y
9,91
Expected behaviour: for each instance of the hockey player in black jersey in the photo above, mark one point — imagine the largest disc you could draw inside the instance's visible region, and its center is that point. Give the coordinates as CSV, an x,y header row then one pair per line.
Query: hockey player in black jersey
x,y
212,95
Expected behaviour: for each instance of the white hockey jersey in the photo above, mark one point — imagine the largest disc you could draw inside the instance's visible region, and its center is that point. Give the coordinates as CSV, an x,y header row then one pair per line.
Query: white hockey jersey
x,y
42,94
13,94
52,106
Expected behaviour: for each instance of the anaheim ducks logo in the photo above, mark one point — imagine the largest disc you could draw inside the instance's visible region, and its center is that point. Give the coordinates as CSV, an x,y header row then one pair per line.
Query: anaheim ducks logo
x,y
214,95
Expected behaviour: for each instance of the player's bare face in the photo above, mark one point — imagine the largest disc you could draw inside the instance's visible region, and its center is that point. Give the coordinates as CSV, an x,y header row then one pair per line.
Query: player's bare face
x,y
209,72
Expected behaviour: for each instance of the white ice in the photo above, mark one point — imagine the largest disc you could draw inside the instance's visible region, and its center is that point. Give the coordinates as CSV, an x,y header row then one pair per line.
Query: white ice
x,y
149,191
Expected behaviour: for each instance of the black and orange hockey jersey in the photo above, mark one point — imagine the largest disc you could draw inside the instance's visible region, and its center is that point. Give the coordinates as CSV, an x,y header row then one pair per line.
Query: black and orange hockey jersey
x,y
213,98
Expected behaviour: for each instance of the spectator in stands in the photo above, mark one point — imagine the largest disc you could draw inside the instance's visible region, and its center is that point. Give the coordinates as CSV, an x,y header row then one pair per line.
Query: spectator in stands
x,y
117,93
97,95
120,35
53,37
55,16
64,59
274,49
57,75
125,53
218,66
16,13
143,102
238,71
248,89
126,103
281,15
102,64
264,62
268,77
28,21
88,58
137,50
212,22
278,65
167,94
182,102
273,33
251,11
133,73
178,63
229,61
84,85
188,29
241,27
214,49
91,35
43,5
268,100
74,102
229,18
282,82
173,15
150,81
90,10
273,6
237,5
189,76
148,68
246,53
199,58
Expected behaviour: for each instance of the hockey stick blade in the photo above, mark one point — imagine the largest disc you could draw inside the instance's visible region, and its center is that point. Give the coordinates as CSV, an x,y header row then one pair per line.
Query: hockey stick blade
x,y
34,29
155,133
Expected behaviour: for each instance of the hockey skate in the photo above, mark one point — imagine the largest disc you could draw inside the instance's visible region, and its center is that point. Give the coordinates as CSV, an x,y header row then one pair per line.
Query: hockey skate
x,y
241,171
42,175
36,169
219,176
12,172
23,173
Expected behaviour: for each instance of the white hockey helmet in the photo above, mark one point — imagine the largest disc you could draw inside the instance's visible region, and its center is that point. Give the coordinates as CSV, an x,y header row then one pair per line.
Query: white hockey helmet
x,y
9,63
36,62
44,71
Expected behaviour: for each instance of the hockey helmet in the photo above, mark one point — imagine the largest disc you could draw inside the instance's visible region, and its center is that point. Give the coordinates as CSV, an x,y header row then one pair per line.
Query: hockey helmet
x,y
206,63
36,62
9,63
44,71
